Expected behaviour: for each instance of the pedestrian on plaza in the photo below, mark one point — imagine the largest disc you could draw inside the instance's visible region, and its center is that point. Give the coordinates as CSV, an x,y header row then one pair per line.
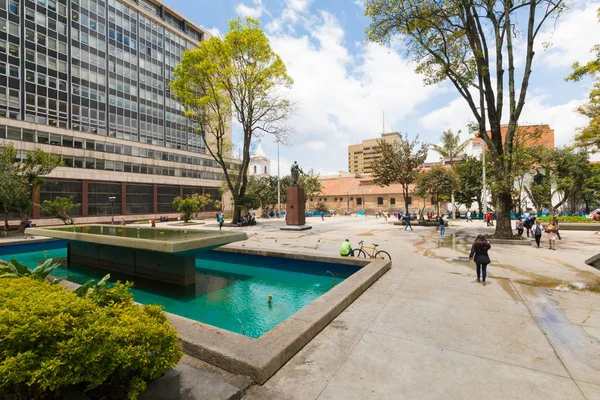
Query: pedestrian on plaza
x,y
123,221
479,253
488,219
442,226
520,226
555,222
469,216
551,231
346,249
538,233
322,216
112,220
529,222
153,222
220,218
407,222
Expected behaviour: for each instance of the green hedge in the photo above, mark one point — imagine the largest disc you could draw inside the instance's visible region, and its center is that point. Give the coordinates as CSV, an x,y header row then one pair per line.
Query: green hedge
x,y
569,219
53,339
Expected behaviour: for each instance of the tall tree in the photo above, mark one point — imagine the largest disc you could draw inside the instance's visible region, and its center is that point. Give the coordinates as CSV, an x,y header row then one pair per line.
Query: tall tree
x,y
436,184
400,164
470,43
561,175
61,208
451,146
236,76
469,172
591,189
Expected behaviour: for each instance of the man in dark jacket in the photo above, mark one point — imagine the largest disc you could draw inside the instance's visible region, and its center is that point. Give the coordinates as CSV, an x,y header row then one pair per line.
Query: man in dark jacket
x,y
479,251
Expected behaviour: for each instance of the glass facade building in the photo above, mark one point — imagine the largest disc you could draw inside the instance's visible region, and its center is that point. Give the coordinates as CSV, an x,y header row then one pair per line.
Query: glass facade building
x,y
88,80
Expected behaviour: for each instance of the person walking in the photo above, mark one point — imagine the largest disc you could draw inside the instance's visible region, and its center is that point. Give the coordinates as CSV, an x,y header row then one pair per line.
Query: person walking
x,y
407,222
551,231
479,253
442,226
538,233
469,216
520,226
555,222
220,218
322,216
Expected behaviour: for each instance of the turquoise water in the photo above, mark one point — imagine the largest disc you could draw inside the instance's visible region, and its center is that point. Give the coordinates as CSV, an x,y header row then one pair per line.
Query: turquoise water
x,y
167,235
231,290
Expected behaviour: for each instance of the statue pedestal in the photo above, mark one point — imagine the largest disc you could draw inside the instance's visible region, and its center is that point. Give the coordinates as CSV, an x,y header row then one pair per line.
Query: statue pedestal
x,y
295,216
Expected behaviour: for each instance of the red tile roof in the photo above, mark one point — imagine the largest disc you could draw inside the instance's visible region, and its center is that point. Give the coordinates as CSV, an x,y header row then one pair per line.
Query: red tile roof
x,y
534,135
356,186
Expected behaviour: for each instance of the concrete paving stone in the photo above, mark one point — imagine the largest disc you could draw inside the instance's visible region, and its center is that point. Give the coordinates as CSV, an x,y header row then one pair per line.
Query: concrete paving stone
x,y
259,393
589,301
307,373
503,337
362,312
383,367
198,385
581,316
590,391
594,332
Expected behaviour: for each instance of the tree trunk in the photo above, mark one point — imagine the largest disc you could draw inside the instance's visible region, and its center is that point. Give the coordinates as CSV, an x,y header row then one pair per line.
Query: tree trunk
x,y
237,214
6,226
503,224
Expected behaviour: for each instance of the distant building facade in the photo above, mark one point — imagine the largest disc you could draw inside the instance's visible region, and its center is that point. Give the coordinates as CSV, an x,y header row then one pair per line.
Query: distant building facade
x,y
361,157
347,192
260,164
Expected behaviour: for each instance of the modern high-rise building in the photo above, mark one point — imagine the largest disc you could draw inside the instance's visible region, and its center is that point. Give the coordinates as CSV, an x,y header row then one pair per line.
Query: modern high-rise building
x,y
362,156
88,80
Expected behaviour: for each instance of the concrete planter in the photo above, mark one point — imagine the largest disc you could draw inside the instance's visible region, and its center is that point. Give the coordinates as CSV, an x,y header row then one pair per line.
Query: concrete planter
x,y
594,261
167,387
516,242
574,226
425,223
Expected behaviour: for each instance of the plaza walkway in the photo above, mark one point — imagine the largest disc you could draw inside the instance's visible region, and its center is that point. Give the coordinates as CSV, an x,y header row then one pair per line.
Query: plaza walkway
x,y
427,330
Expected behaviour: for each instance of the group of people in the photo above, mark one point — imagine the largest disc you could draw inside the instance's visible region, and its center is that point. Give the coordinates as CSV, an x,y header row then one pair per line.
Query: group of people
x,y
248,220
534,227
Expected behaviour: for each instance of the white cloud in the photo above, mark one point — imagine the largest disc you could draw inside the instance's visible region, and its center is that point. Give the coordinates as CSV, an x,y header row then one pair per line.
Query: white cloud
x,y
572,38
340,96
214,31
255,11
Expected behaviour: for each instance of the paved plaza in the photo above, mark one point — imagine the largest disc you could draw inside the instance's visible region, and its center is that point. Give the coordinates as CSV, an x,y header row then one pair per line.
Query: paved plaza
x,y
426,329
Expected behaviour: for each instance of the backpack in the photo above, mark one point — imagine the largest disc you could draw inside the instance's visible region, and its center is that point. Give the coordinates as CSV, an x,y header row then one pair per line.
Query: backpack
x,y
538,230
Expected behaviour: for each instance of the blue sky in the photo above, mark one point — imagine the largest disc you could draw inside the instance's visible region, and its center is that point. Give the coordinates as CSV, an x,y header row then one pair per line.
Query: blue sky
x,y
344,84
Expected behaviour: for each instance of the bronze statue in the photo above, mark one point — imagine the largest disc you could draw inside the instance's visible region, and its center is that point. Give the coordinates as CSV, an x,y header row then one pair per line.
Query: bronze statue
x,y
295,172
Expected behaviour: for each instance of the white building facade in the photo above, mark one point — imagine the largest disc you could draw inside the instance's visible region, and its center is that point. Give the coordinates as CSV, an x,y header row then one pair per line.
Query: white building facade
x,y
260,164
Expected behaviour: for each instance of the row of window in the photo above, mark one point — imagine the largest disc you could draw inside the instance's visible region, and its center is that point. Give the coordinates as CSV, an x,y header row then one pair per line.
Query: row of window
x,y
13,133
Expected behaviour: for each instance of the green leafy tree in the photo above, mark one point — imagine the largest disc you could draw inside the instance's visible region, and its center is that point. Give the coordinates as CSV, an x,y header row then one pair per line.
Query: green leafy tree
x,y
12,188
436,184
400,164
248,202
591,189
322,207
21,177
218,204
470,43
265,189
202,200
236,76
561,172
61,208
470,188
187,207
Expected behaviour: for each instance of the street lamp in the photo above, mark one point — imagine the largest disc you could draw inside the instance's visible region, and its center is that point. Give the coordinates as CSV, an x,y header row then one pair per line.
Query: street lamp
x,y
112,200
278,183
483,177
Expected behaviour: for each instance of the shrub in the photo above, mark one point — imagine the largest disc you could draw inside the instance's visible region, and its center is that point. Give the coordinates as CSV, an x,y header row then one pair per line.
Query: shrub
x,y
53,339
574,218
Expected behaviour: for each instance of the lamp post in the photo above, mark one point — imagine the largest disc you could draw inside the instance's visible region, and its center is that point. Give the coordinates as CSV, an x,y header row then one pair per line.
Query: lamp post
x,y
278,184
112,200
483,177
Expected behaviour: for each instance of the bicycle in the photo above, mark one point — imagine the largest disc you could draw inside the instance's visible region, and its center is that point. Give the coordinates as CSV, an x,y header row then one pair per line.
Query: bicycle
x,y
379,254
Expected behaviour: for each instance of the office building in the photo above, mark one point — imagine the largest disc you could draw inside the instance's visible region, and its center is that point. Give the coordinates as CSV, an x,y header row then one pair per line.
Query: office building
x,y
361,157
88,80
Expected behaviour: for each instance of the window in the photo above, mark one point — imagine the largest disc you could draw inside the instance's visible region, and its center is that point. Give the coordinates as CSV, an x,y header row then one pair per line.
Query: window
x,y
408,200
265,169
359,201
380,201
255,169
393,201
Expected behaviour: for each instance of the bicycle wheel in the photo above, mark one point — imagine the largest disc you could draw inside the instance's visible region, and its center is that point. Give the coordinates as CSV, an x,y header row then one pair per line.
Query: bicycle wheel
x,y
359,253
383,255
